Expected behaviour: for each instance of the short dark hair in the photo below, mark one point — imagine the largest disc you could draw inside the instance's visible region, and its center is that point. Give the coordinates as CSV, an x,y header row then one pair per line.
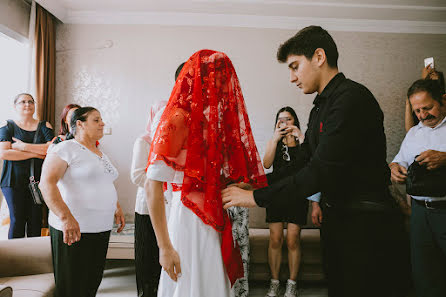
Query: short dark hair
x,y
432,87
293,114
305,43
440,79
17,97
178,71
80,114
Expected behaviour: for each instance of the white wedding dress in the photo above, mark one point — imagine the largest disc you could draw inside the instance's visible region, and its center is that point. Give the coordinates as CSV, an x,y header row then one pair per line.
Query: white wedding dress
x,y
198,246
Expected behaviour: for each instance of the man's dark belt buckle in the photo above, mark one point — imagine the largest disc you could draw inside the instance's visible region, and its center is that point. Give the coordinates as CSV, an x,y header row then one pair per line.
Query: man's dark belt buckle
x,y
428,204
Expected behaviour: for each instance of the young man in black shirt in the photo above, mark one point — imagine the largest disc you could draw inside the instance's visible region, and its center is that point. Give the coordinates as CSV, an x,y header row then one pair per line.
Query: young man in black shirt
x,y
363,238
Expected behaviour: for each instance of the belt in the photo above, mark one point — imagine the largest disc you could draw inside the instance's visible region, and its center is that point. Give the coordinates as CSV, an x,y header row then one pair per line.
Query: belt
x,y
431,204
361,205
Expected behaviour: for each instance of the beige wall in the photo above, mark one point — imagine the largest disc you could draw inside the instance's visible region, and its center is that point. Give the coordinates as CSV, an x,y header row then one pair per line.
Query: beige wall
x,y
14,18
123,69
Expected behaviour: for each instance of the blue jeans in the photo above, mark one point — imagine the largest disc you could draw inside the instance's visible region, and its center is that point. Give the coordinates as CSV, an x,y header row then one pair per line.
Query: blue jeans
x,y
23,213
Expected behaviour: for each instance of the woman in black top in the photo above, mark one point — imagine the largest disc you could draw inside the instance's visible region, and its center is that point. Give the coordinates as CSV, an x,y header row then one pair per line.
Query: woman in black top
x,y
284,153
17,150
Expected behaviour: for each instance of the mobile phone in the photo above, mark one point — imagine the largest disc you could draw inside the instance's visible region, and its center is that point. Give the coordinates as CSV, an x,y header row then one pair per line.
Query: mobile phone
x,y
429,61
282,122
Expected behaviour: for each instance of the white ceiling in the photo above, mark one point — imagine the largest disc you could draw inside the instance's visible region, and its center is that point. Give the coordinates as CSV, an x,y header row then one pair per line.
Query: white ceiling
x,y
405,16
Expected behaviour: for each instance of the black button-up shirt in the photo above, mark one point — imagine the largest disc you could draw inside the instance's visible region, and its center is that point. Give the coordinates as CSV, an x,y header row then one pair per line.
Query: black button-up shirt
x,y
346,146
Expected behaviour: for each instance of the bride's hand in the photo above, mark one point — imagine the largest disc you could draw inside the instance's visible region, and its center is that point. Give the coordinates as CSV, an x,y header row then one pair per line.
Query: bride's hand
x,y
170,261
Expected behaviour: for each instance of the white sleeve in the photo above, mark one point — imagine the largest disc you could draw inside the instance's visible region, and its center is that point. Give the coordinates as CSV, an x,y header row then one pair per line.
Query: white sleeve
x,y
315,197
64,150
139,162
161,172
401,157
156,121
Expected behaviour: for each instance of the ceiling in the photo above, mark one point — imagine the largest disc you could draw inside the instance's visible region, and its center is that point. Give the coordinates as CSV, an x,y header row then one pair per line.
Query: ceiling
x,y
405,16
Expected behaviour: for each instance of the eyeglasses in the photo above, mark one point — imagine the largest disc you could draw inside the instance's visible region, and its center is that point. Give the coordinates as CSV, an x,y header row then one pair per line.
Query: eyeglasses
x,y
286,155
30,102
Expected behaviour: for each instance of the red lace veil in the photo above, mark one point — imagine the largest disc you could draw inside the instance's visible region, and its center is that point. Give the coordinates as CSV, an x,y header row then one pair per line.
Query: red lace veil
x,y
205,132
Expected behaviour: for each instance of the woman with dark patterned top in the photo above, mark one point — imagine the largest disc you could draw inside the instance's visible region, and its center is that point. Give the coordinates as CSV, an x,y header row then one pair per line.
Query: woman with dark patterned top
x,y
17,150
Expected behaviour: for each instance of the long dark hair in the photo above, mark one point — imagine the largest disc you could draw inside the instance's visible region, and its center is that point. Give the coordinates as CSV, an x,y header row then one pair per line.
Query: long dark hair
x,y
80,114
293,114
63,117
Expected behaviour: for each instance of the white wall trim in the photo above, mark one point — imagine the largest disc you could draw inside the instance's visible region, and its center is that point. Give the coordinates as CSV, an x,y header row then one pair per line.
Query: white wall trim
x,y
13,34
253,21
327,4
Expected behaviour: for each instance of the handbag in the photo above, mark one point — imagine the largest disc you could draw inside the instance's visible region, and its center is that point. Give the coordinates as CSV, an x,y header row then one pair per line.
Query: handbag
x,y
33,183
423,182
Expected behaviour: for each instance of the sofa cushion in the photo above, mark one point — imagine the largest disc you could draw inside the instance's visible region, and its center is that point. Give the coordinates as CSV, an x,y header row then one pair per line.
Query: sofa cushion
x,y
310,246
37,285
311,261
5,291
25,256
257,218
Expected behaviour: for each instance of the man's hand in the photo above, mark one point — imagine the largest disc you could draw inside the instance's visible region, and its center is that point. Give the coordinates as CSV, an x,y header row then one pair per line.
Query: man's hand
x,y
234,196
432,159
316,214
398,173
242,185
170,261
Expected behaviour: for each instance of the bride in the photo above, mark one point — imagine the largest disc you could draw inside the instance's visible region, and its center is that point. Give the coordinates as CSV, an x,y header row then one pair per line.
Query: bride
x,y
203,143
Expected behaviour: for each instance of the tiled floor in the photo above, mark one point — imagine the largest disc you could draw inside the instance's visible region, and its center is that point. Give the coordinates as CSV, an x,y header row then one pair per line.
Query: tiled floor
x,y
305,290
119,281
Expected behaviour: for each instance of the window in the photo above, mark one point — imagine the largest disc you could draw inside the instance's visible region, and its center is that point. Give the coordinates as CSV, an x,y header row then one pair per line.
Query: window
x,y
14,74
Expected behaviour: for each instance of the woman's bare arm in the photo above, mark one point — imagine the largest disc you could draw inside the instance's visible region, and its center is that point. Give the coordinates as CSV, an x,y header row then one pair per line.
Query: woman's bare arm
x,y
168,257
271,146
408,117
52,171
10,154
35,148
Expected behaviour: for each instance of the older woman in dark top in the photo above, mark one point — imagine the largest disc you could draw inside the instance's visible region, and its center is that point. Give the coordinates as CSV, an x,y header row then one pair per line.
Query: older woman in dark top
x,y
17,150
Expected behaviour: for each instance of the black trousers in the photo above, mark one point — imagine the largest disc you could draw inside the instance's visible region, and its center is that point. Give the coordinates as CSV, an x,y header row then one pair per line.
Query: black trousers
x,y
23,213
147,265
365,253
78,268
428,249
